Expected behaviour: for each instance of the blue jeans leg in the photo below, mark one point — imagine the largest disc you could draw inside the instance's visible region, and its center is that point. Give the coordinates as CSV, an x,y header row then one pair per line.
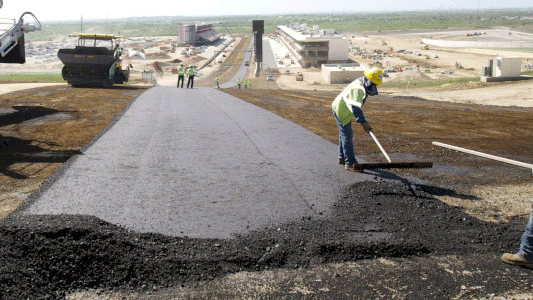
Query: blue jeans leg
x,y
345,142
526,243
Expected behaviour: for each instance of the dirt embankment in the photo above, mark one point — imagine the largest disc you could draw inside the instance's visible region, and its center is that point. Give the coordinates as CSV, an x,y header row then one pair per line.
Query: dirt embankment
x,y
42,128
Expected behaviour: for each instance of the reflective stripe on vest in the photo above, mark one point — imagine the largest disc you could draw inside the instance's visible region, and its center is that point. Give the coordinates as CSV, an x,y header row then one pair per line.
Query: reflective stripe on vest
x,y
354,92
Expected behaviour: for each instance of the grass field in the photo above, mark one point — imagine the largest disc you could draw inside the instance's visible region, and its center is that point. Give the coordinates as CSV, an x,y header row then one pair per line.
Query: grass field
x,y
38,77
431,83
342,22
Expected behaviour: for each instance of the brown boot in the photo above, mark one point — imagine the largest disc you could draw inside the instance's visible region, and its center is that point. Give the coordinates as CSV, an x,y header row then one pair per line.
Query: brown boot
x,y
352,168
517,260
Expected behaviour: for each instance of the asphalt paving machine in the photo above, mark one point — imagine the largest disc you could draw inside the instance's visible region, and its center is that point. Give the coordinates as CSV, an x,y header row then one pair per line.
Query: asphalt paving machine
x,y
12,50
95,61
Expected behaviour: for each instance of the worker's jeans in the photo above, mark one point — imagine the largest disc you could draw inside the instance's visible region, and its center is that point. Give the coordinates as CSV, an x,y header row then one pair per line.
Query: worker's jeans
x,y
181,78
526,243
346,152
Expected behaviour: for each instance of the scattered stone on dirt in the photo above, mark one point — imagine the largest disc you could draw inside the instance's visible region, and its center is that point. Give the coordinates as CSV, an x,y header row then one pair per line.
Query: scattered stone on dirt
x,y
41,128
411,76
50,256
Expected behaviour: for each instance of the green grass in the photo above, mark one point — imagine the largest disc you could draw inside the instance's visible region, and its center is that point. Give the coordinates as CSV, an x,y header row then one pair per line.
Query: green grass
x,y
341,22
31,77
431,83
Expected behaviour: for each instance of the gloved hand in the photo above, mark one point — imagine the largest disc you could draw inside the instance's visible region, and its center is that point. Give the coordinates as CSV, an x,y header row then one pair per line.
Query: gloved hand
x,y
366,127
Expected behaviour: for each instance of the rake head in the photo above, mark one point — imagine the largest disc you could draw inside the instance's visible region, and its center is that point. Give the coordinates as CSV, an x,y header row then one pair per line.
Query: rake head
x,y
401,165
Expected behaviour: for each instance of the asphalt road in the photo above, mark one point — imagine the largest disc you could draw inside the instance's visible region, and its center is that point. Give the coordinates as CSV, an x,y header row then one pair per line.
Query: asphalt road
x,y
269,61
199,163
241,72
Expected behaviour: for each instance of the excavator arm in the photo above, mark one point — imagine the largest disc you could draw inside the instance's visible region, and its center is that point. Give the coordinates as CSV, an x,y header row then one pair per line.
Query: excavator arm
x,y
12,48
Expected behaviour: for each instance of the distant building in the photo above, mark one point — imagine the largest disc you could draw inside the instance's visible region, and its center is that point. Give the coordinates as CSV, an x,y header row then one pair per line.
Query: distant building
x,y
186,34
313,47
341,73
196,34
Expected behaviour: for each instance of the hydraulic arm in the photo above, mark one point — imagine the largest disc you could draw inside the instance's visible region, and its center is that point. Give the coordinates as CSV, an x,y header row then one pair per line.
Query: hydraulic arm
x,y
12,32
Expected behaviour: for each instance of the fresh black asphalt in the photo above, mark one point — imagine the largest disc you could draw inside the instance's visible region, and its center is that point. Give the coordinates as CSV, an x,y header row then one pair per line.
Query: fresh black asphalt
x,y
199,163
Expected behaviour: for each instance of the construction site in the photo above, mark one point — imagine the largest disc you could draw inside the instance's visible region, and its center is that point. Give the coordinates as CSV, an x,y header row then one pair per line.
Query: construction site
x,y
449,223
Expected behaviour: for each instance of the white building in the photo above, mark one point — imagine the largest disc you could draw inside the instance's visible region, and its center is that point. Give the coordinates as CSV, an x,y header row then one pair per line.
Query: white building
x,y
195,34
341,73
186,34
313,50
503,69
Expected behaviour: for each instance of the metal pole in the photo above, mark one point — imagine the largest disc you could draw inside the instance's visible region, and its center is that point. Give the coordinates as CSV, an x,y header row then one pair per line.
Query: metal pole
x,y
493,157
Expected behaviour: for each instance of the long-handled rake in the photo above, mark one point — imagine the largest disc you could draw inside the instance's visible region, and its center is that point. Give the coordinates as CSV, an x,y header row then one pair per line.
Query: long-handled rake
x,y
485,155
390,164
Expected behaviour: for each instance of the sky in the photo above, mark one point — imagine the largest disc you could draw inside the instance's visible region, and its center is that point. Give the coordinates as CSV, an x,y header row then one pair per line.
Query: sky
x,y
61,10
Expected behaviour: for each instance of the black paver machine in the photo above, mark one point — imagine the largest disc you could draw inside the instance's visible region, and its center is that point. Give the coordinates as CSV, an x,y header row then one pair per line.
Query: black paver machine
x,y
95,61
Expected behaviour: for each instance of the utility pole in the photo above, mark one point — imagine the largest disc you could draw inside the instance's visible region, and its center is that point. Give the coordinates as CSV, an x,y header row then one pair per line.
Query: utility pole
x,y
81,24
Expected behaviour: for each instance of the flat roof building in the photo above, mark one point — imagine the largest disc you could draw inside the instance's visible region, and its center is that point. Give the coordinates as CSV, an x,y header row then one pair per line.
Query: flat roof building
x,y
341,73
313,47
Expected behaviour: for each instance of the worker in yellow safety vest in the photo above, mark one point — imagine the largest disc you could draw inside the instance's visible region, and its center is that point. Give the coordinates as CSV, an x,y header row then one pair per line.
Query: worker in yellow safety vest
x,y
346,106
249,83
191,72
217,78
181,75
239,81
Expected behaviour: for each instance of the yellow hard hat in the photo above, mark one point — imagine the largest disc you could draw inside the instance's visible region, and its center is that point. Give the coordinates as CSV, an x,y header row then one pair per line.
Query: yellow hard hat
x,y
375,75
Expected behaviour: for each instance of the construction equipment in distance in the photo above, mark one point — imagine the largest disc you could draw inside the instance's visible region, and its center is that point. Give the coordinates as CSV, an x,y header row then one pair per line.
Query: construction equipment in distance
x,y
390,164
92,63
12,50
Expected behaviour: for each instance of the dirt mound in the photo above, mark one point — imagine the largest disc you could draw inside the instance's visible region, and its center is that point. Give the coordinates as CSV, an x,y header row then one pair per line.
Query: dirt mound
x,y
157,55
49,256
410,75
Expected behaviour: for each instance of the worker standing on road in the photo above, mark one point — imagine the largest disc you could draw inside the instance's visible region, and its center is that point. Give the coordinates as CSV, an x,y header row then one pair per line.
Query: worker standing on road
x,y
245,83
524,256
217,78
239,83
348,105
181,75
191,72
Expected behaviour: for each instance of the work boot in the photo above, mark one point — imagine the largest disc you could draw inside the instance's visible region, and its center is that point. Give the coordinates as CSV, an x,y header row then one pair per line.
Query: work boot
x,y
341,161
517,260
352,168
